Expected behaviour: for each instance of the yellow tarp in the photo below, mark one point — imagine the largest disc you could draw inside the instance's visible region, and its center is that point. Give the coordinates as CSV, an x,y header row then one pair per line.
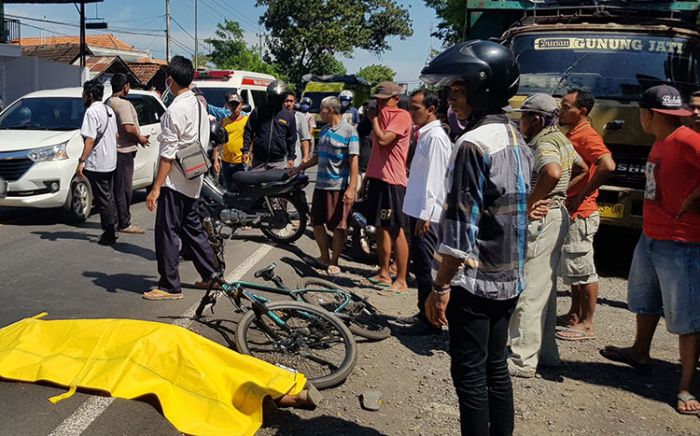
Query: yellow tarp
x,y
203,387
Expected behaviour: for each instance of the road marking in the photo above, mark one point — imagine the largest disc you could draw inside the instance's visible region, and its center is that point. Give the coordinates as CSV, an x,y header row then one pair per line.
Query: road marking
x,y
94,406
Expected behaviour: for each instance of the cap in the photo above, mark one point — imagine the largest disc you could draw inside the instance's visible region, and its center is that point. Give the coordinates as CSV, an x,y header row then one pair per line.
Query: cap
x,y
540,103
387,89
233,97
664,99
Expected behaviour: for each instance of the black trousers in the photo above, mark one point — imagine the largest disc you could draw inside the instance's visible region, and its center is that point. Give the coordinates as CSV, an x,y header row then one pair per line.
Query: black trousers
x,y
102,185
177,221
123,181
422,250
478,337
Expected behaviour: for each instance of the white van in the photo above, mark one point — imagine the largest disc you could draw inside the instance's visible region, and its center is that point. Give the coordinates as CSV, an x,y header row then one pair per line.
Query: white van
x,y
40,144
214,84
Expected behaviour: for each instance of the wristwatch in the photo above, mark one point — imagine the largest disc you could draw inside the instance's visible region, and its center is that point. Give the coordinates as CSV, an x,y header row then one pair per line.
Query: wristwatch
x,y
81,160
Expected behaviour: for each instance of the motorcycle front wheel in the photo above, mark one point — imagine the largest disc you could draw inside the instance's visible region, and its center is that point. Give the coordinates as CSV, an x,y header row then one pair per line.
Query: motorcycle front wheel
x,y
288,221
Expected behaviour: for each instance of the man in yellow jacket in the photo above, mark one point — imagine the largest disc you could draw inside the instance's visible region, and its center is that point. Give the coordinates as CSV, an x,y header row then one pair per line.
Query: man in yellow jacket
x,y
232,159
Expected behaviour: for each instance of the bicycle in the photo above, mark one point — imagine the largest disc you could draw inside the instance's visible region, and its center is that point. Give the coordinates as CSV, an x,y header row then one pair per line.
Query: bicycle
x,y
292,334
361,317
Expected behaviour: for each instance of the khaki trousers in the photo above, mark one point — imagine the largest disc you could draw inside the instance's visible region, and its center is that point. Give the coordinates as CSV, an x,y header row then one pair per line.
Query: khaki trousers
x,y
533,324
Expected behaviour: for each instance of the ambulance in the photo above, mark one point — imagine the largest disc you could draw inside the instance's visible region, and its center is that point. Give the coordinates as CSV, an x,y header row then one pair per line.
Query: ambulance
x,y
214,84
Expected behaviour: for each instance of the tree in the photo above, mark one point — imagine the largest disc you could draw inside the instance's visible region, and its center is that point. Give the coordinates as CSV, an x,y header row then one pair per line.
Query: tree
x,y
230,50
303,39
451,13
377,73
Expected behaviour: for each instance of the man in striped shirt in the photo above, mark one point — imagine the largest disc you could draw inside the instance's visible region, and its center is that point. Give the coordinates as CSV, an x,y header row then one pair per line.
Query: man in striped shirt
x,y
337,157
556,165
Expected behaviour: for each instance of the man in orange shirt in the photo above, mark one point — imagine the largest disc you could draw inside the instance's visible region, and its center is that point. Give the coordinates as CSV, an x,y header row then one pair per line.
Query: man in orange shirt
x,y
577,264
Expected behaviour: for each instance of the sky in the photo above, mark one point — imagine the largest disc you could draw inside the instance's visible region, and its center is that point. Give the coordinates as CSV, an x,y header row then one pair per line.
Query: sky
x,y
141,24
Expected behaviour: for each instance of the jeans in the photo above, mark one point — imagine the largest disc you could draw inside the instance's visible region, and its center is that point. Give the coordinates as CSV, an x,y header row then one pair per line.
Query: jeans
x,y
228,170
478,336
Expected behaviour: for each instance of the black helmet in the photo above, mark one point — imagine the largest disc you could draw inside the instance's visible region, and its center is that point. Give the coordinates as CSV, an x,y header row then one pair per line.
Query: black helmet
x,y
490,70
277,88
218,134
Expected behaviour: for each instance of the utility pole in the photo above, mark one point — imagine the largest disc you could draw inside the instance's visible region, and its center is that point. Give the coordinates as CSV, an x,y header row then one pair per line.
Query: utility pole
x,y
82,33
196,40
167,30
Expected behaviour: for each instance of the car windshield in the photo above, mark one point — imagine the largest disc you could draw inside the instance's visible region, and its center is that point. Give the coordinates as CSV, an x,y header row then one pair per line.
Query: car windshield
x,y
616,66
316,98
44,113
215,96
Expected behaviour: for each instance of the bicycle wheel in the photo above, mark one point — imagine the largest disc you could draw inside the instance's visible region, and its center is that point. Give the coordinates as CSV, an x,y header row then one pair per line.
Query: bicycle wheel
x,y
315,343
362,318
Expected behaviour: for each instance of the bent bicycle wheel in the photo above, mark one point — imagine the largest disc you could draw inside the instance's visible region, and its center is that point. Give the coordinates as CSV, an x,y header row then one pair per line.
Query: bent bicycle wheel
x,y
311,341
362,318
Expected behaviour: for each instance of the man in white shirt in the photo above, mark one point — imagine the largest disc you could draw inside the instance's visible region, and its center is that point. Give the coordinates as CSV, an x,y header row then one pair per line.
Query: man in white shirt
x,y
99,157
173,196
425,195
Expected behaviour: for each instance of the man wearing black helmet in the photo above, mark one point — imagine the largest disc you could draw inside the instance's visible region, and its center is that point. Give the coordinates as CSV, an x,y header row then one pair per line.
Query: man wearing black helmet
x,y
271,131
482,244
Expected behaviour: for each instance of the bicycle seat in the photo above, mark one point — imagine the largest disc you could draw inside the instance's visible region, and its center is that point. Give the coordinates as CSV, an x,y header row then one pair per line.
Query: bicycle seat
x,y
247,178
264,271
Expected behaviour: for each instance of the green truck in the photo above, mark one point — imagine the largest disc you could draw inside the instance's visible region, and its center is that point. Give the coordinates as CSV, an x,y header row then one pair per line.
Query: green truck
x,y
614,48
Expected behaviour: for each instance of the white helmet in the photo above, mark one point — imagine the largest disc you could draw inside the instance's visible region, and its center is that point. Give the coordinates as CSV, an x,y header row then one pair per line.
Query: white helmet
x,y
345,95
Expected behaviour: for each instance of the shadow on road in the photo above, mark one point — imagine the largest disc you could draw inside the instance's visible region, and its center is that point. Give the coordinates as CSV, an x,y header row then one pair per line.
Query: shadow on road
x,y
601,300
67,234
122,281
288,424
136,250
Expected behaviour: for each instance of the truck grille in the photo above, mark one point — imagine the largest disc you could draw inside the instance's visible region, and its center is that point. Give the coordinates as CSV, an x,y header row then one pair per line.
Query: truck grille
x,y
13,169
631,161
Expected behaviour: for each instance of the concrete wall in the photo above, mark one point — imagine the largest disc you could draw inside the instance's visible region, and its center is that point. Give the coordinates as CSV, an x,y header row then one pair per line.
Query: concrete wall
x,y
24,74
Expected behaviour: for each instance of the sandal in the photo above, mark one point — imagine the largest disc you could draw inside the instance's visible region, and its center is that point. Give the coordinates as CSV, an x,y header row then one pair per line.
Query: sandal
x,y
133,229
333,270
377,282
572,334
617,355
159,294
685,397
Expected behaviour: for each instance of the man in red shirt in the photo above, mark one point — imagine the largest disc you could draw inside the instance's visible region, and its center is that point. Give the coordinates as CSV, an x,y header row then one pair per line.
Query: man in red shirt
x,y
577,265
665,275
386,183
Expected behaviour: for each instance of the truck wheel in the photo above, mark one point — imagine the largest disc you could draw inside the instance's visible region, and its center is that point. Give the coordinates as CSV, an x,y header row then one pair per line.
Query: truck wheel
x,y
79,202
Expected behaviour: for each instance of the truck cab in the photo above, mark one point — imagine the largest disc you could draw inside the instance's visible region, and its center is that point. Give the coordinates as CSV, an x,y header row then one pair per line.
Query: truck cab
x,y
616,51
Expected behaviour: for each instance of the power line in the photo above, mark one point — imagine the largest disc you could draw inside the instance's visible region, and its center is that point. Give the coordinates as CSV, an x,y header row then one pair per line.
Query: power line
x,y
218,13
186,32
128,31
236,13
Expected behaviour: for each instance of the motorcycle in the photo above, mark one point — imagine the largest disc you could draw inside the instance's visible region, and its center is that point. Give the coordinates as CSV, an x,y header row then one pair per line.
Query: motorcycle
x,y
363,246
270,200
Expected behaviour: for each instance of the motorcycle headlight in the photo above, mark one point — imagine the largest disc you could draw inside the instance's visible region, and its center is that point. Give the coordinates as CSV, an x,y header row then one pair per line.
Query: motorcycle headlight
x,y
54,152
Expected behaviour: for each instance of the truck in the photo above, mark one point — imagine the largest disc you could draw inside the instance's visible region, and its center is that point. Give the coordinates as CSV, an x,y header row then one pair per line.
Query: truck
x,y
616,49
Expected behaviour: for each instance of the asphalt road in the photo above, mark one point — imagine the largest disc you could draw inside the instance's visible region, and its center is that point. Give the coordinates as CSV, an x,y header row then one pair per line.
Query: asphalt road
x,y
48,266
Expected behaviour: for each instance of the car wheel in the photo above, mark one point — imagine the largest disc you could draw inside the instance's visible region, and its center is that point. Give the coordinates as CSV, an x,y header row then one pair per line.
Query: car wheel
x,y
79,202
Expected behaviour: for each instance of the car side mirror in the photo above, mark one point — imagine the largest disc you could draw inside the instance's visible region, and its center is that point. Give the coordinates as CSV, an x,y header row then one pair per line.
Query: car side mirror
x,y
246,108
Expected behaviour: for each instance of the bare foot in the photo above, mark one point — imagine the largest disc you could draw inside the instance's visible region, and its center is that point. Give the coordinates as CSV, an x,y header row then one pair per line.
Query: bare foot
x,y
399,286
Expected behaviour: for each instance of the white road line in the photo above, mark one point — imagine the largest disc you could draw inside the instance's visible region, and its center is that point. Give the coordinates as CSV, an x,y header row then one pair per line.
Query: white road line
x,y
94,406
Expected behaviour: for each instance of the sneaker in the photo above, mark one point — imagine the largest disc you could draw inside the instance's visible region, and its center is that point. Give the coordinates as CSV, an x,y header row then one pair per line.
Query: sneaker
x,y
408,320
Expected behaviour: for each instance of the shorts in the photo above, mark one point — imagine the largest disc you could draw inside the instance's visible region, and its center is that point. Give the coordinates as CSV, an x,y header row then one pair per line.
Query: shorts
x,y
577,266
384,203
328,207
665,280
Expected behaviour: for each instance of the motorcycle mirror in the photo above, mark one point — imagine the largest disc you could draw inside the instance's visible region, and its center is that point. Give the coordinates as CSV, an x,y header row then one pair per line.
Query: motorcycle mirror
x,y
246,108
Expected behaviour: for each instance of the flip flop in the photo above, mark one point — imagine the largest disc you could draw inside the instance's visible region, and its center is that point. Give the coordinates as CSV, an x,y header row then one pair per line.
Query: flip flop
x,y
574,335
561,322
333,270
159,294
617,355
379,283
686,397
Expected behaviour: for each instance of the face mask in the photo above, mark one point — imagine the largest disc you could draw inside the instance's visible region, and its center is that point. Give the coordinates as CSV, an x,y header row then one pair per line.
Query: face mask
x,y
167,87
304,107
345,104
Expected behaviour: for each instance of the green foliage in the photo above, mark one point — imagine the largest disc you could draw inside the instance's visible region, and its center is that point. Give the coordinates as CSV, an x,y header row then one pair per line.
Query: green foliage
x,y
304,37
230,50
451,14
377,73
